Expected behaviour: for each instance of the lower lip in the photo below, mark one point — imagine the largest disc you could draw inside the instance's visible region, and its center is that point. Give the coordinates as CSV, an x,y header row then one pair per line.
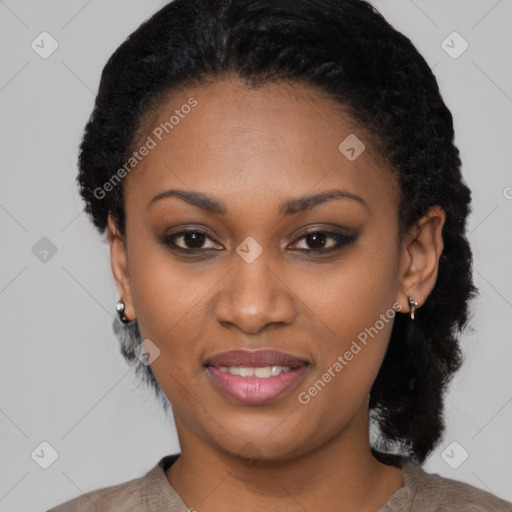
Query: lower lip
x,y
253,390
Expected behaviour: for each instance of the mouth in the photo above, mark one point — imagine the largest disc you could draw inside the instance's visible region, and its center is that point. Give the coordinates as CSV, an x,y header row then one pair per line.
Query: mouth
x,y
255,377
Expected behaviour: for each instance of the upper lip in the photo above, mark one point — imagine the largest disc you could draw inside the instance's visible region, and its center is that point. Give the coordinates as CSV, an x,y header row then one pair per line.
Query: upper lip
x,y
254,359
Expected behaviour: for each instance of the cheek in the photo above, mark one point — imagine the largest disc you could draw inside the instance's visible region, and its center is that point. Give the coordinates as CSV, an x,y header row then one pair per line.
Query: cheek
x,y
166,292
337,389
171,313
167,299
171,308
353,310
346,297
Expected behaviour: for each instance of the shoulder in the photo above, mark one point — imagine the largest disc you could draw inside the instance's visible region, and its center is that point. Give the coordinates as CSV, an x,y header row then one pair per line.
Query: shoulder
x,y
439,493
134,495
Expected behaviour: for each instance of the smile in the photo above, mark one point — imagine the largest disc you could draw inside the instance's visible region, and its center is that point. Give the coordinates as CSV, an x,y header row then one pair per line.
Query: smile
x,y
255,377
261,372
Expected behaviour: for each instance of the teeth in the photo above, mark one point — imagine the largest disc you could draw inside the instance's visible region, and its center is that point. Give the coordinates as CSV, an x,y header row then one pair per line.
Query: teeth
x,y
261,372
246,372
265,372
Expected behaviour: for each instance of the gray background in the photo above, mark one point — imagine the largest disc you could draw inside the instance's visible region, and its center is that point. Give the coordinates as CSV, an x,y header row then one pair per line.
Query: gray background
x,y
62,379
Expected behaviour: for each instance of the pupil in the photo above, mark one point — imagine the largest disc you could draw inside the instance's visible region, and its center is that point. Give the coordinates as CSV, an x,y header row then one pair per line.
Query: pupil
x,y
194,239
316,238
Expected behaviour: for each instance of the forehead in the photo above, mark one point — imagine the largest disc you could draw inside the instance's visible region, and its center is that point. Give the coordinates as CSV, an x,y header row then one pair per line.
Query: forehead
x,y
277,140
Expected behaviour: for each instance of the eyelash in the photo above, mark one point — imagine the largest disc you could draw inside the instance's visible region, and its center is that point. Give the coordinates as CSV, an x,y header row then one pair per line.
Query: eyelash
x,y
341,240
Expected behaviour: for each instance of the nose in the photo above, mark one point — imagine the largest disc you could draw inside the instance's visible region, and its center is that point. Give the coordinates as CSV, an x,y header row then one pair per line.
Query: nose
x,y
254,296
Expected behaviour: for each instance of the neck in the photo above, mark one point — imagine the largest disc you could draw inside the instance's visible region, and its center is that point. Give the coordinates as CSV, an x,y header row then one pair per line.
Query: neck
x,y
341,474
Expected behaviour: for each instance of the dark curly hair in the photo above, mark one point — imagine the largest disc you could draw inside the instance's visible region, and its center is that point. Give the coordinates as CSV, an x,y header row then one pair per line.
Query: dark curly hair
x,y
351,54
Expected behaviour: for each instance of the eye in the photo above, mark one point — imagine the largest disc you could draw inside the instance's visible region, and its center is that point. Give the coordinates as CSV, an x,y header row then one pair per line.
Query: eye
x,y
190,240
322,241
194,240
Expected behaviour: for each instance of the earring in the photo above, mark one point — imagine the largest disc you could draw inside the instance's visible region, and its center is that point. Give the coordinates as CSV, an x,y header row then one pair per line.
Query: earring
x,y
412,305
120,311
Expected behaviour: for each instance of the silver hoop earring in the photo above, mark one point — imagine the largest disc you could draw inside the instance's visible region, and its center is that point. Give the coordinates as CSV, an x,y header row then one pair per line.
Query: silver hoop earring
x,y
412,306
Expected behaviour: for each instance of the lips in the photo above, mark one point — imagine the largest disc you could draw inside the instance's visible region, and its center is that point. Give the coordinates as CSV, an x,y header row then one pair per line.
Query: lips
x,y
255,377
255,359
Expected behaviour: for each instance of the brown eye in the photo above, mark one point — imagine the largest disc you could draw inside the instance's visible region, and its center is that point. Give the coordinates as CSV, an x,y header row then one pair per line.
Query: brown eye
x,y
189,240
322,241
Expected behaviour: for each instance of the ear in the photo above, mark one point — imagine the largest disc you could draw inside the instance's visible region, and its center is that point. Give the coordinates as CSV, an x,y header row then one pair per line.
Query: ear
x,y
119,264
419,261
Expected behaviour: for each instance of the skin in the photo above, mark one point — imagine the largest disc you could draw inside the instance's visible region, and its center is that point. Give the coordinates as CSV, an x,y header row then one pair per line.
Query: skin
x,y
253,149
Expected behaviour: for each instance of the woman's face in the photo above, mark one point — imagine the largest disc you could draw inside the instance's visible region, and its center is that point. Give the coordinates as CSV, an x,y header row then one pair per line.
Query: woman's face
x,y
266,264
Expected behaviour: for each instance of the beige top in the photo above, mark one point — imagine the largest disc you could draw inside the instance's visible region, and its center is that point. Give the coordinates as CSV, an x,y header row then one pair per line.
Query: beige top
x,y
420,491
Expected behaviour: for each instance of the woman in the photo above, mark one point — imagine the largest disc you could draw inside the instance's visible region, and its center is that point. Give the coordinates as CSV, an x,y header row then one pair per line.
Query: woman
x,y
286,216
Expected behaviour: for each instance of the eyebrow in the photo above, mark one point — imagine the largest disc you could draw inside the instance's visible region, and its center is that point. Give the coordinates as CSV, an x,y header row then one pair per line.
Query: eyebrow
x,y
289,207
